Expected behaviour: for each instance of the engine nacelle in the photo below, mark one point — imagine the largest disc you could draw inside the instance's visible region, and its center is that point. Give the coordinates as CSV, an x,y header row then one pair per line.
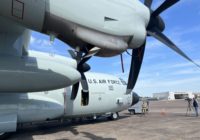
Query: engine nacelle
x,y
138,37
110,30
31,74
104,41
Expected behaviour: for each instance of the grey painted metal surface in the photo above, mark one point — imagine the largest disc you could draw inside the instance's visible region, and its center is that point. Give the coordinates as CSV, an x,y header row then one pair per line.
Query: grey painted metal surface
x,y
106,95
98,23
31,74
21,72
8,123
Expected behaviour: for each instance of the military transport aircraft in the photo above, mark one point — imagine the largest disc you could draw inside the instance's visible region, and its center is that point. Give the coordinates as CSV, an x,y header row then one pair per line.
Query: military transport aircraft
x,y
101,28
107,95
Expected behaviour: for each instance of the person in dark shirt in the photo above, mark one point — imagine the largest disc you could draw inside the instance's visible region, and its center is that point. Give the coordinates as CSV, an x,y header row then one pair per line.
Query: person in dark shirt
x,y
196,105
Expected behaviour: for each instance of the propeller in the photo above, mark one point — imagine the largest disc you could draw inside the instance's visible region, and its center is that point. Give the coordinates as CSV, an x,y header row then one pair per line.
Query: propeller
x,y
136,62
82,67
148,3
155,28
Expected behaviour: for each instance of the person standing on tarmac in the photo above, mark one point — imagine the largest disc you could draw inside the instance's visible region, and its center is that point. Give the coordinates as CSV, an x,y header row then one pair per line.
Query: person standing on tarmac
x,y
144,107
147,105
196,106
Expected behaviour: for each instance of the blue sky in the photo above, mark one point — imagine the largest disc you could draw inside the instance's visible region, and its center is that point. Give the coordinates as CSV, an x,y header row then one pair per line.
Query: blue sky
x,y
162,69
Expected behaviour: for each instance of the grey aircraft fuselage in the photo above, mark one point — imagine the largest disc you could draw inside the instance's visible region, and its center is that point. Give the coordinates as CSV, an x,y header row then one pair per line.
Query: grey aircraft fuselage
x,y
107,94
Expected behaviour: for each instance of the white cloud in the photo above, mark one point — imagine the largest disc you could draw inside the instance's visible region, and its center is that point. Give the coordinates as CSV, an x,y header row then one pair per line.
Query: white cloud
x,y
32,39
153,43
185,64
186,72
40,42
180,32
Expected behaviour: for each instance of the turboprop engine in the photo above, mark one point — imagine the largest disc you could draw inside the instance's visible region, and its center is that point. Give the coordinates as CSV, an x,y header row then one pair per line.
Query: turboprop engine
x,y
31,74
111,31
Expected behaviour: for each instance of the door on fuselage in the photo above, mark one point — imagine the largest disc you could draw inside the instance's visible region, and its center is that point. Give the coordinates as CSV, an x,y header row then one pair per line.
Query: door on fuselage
x,y
84,94
84,98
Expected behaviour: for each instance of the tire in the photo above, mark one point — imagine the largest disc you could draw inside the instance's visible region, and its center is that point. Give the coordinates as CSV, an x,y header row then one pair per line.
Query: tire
x,y
132,112
114,116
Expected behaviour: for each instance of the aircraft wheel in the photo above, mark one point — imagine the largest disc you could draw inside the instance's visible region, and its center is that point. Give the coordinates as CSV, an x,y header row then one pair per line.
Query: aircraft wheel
x,y
94,117
114,116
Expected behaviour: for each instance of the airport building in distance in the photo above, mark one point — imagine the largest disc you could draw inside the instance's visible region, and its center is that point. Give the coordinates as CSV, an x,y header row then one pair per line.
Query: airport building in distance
x,y
169,95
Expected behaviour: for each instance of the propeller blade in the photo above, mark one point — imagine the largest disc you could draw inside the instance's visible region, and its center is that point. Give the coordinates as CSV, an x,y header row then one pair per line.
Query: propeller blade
x,y
136,62
74,91
122,62
84,83
76,87
92,52
72,54
82,62
165,5
148,3
162,38
87,56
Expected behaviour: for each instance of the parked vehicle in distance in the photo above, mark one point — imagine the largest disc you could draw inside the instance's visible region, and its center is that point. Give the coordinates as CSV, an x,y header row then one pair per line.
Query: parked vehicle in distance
x,y
136,109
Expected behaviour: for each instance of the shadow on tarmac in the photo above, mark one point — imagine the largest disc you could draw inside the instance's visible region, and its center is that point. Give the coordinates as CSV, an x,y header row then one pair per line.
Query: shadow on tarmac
x,y
27,132
94,137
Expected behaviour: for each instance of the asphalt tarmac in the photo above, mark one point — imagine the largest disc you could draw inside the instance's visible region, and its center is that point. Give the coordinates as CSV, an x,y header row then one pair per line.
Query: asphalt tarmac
x,y
166,120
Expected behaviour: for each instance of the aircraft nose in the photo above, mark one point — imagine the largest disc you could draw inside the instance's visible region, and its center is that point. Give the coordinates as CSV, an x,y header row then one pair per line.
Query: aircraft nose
x,y
135,98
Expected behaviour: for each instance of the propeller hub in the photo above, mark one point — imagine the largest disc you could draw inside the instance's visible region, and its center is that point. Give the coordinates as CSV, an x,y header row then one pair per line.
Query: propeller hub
x,y
156,22
83,68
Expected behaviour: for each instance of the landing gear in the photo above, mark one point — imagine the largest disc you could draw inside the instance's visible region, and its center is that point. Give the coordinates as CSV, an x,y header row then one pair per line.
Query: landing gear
x,y
114,116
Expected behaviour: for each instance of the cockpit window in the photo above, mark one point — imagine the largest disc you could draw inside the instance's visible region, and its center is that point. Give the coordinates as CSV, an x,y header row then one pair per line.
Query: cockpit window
x,y
122,81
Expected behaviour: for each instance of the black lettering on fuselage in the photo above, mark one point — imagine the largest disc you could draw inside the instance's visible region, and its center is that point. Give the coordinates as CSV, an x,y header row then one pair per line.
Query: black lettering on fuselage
x,y
102,81
115,82
90,81
95,81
